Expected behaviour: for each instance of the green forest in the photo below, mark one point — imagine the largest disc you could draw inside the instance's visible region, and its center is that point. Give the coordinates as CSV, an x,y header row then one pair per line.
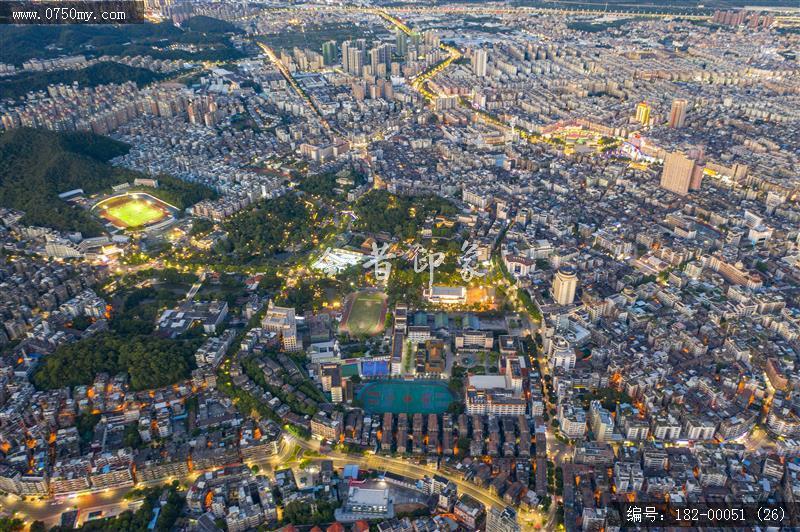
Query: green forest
x,y
270,227
151,362
324,185
97,74
37,165
402,216
20,43
128,346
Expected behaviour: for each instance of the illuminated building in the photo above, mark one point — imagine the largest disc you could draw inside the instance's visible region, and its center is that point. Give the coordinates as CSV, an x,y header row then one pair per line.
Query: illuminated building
x,y
643,113
282,321
446,295
601,422
564,284
493,394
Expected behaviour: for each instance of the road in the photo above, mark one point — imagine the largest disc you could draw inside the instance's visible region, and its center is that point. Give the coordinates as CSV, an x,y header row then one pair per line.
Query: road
x,y
112,502
196,287
411,470
293,83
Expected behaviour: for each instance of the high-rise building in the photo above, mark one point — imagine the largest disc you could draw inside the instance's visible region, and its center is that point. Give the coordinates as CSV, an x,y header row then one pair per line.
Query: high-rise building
x,y
353,56
431,37
677,174
346,45
401,43
561,354
355,61
329,52
479,60
677,115
601,422
564,284
502,520
380,55
643,113
282,321
446,102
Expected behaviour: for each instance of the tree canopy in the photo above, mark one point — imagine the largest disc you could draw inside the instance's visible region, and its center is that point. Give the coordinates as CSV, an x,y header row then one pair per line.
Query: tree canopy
x,y
270,227
128,346
20,43
381,211
151,362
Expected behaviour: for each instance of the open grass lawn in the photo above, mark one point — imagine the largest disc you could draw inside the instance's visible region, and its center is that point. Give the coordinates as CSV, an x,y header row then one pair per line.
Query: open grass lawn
x,y
366,314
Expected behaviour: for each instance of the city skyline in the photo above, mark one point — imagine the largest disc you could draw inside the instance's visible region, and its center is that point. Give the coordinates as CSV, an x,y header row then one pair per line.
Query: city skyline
x,y
400,266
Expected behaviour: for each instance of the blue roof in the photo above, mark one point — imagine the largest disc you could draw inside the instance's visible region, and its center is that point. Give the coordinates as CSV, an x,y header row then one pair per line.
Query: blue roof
x,y
351,471
374,368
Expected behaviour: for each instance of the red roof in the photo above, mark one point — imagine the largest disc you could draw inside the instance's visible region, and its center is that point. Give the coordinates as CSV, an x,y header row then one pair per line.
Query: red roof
x,y
360,526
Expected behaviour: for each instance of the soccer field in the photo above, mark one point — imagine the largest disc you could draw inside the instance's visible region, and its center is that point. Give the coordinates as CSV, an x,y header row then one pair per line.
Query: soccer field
x,y
132,210
136,212
366,313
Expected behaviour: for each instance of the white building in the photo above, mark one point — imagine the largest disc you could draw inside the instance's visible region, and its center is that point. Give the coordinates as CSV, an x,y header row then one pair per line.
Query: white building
x,y
562,354
572,420
601,422
282,321
446,295
564,284
365,503
493,394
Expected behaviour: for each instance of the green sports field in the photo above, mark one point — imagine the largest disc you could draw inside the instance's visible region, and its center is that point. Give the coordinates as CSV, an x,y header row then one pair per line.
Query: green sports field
x,y
132,210
365,313
410,397
136,212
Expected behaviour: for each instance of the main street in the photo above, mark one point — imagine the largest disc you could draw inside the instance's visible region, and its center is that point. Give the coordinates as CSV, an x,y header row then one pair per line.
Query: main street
x,y
273,57
113,502
409,469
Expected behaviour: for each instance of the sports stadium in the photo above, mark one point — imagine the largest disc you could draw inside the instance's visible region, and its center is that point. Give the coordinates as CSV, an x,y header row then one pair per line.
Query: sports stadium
x,y
133,210
364,313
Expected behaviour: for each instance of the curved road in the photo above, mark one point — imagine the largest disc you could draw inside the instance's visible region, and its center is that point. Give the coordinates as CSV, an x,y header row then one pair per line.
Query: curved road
x,y
112,502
